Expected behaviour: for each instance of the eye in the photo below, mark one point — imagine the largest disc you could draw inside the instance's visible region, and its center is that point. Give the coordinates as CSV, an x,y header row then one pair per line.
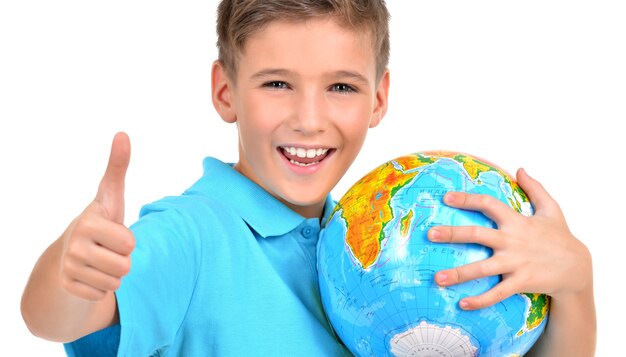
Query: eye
x,y
276,85
342,87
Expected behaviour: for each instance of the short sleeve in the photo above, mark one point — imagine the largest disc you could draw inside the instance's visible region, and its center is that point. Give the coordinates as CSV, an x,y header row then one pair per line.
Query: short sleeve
x,y
154,297
103,343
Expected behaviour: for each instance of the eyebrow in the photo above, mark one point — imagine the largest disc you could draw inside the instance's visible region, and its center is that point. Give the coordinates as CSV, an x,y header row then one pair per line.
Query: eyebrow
x,y
355,76
342,74
270,72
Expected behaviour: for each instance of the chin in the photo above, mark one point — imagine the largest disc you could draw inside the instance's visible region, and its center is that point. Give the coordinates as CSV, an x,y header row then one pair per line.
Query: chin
x,y
306,202
303,193
308,206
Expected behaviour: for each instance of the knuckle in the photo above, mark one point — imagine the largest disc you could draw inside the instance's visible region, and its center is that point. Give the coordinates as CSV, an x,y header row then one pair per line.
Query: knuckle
x,y
66,284
474,232
450,234
483,269
76,251
114,284
72,249
485,200
487,267
499,295
465,200
495,296
125,267
84,224
68,269
458,274
129,244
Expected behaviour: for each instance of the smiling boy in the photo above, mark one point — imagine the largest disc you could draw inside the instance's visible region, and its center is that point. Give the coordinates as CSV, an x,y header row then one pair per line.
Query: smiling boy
x,y
228,267
303,96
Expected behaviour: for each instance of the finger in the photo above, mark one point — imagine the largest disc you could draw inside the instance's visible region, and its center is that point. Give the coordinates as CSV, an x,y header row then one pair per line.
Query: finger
x,y
537,194
93,277
115,237
466,234
498,293
108,262
490,206
83,290
111,189
484,268
110,235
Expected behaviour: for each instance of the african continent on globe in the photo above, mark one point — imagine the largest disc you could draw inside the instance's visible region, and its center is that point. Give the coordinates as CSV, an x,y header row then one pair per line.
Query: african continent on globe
x,y
376,266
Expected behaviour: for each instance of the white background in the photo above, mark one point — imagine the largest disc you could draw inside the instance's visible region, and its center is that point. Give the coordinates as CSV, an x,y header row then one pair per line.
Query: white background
x,y
538,84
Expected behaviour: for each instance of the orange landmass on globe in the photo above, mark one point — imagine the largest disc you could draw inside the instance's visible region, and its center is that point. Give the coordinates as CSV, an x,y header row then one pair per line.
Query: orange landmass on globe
x,y
366,206
405,223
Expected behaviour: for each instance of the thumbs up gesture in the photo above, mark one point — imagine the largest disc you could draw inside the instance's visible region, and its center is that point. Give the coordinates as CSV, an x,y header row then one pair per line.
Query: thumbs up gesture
x,y
97,245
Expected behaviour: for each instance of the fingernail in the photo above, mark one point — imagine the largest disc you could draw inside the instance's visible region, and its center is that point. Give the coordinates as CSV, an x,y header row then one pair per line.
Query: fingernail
x,y
441,278
463,304
449,197
435,234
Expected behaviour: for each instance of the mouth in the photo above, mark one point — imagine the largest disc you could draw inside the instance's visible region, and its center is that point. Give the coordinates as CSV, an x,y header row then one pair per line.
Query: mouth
x,y
304,156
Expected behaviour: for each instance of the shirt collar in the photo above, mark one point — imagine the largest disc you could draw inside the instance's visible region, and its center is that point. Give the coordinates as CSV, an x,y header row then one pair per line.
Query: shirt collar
x,y
260,210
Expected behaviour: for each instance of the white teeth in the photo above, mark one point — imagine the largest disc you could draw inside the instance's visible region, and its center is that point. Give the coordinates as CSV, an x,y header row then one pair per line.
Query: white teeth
x,y
303,164
302,152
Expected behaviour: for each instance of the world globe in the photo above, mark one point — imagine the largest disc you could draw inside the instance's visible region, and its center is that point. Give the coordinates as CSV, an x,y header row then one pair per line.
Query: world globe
x,y
376,265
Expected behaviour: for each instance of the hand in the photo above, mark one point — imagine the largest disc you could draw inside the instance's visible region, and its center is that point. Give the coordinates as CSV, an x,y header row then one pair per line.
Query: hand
x,y
97,245
536,254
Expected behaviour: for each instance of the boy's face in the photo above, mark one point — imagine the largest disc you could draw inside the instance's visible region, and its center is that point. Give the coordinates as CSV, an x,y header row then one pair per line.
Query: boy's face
x,y
304,96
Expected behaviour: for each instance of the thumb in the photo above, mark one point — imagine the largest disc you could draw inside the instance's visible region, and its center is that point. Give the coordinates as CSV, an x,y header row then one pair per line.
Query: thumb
x,y
111,190
539,197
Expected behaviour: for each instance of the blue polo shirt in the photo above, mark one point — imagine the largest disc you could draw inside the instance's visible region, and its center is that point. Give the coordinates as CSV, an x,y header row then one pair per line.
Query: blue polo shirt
x,y
224,269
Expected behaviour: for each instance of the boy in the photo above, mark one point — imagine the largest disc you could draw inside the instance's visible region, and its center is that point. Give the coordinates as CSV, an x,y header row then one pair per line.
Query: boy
x,y
229,266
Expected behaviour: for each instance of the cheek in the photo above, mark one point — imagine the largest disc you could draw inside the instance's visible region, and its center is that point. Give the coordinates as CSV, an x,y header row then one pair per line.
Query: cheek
x,y
262,114
251,125
355,123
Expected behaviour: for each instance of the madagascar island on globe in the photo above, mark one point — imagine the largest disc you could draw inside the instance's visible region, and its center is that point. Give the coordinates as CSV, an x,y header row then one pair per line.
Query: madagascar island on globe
x,y
376,266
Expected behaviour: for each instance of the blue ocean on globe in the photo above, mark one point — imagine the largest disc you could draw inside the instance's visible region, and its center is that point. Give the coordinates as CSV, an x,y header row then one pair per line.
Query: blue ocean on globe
x,y
376,266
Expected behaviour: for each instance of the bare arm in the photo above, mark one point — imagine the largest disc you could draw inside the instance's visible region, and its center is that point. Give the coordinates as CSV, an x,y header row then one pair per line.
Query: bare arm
x,y
571,327
70,292
51,312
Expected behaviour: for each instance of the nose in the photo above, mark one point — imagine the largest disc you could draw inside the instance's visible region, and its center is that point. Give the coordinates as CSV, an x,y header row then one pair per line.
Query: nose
x,y
311,113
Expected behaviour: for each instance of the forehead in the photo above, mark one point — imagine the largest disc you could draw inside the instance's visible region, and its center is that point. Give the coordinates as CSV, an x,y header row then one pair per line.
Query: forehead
x,y
308,46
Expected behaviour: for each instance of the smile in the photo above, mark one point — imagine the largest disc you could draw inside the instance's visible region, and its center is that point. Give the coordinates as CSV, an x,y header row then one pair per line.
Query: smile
x,y
304,157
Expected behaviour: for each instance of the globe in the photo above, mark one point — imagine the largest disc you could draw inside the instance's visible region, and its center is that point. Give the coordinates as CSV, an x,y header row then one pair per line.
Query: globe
x,y
376,266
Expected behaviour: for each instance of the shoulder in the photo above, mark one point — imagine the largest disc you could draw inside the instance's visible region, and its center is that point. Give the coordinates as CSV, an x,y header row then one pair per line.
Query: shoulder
x,y
187,212
205,198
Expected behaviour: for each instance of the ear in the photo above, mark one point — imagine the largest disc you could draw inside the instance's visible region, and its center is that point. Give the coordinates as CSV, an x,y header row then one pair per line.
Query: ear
x,y
382,100
221,88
